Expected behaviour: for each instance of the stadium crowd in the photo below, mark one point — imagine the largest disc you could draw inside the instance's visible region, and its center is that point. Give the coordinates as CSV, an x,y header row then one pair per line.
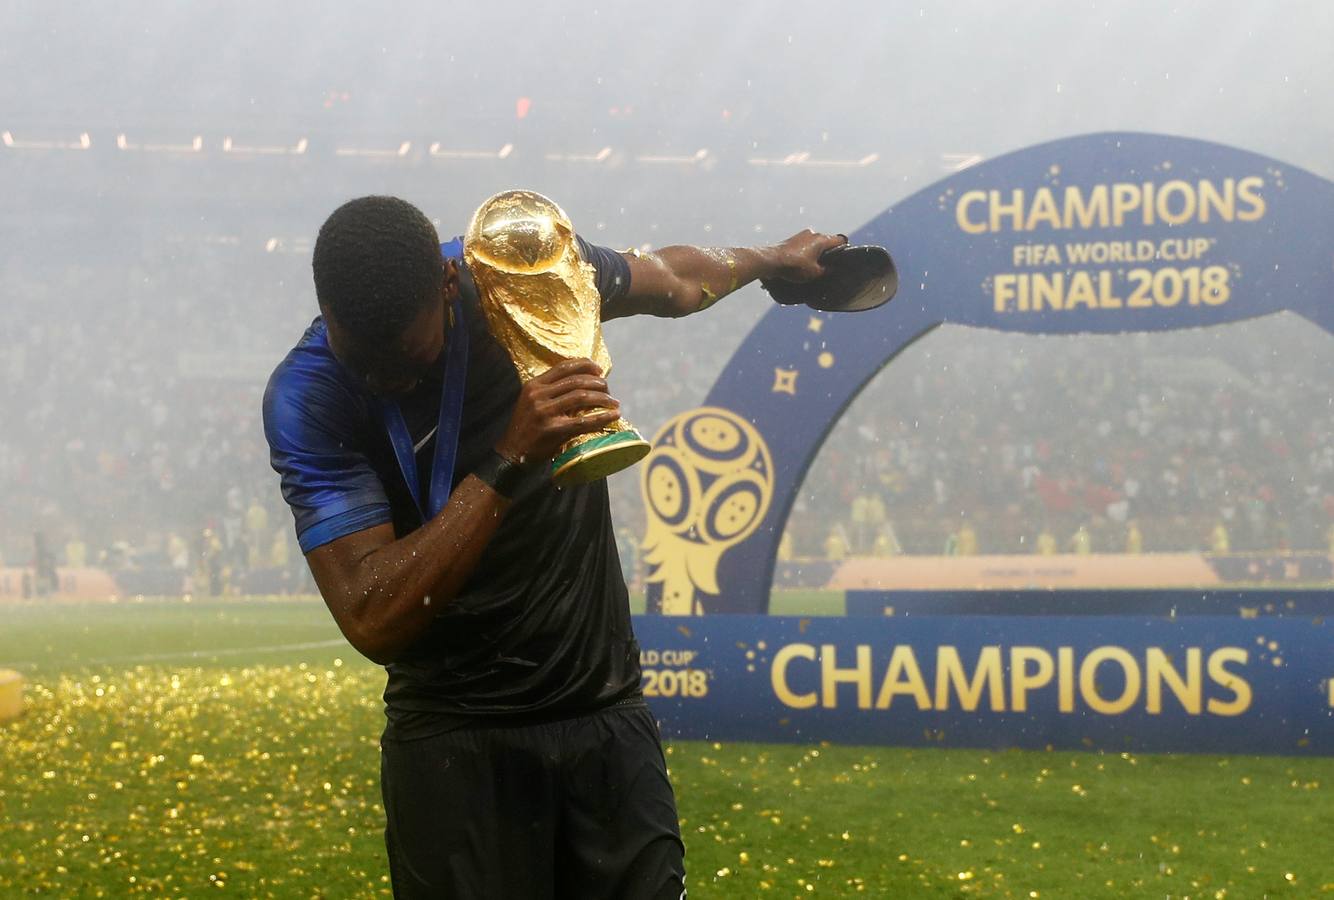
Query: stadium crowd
x,y
975,442
135,443
124,449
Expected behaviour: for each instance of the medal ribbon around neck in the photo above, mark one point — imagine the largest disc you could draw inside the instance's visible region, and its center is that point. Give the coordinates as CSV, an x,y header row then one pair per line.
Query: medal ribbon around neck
x,y
451,414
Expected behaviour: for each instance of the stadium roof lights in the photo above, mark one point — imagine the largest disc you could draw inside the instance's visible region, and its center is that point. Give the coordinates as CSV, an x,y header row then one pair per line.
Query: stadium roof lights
x,y
601,156
702,158
83,143
804,158
439,152
402,150
195,146
957,162
697,157
298,245
297,149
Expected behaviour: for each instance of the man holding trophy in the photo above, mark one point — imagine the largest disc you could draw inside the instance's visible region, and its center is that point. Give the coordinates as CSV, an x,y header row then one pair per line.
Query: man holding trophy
x,y
442,432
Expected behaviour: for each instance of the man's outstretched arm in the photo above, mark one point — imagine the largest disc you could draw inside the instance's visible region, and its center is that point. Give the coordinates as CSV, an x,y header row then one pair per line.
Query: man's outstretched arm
x,y
384,592
680,280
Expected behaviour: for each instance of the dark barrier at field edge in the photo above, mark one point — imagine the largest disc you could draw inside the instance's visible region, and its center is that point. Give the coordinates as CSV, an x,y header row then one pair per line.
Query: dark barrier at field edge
x,y
1207,684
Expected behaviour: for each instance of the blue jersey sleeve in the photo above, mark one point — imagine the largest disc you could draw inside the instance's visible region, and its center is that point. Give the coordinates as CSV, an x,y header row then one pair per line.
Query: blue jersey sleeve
x,y
328,484
613,271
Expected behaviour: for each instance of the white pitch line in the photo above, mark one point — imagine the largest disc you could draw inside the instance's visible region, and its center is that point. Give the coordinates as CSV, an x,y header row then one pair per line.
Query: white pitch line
x,y
197,654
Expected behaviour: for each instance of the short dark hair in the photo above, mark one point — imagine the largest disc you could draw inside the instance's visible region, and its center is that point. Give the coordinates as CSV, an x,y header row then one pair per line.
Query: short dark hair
x,y
377,264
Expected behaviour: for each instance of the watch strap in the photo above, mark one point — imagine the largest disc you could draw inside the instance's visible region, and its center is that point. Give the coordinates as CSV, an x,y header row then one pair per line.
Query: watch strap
x,y
502,475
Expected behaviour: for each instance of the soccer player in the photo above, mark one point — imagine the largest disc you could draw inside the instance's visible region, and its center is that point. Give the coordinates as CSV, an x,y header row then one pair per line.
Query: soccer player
x,y
519,759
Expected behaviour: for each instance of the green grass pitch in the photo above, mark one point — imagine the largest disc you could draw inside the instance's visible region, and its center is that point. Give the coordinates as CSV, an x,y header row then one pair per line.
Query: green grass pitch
x,y
183,749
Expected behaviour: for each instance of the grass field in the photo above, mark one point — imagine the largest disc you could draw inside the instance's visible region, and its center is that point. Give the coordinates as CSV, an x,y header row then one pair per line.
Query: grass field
x,y
184,749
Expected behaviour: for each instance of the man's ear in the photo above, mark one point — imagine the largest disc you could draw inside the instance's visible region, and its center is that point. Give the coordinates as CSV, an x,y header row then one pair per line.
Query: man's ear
x,y
329,324
451,285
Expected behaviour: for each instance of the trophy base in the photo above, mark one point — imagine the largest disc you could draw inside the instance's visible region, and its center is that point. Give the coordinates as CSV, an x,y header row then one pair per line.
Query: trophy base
x,y
598,457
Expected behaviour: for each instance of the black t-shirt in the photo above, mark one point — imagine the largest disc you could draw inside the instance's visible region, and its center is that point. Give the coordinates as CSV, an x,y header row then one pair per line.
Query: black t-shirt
x,y
542,628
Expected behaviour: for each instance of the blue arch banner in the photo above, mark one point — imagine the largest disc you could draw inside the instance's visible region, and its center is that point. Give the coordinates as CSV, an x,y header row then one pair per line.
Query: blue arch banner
x,y
1104,233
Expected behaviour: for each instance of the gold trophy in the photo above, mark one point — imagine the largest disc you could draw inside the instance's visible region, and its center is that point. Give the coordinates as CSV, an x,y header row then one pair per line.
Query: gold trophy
x,y
542,305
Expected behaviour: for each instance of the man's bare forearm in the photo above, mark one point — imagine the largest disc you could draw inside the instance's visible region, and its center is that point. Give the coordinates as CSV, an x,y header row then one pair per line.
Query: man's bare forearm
x,y
711,273
680,280
390,594
383,591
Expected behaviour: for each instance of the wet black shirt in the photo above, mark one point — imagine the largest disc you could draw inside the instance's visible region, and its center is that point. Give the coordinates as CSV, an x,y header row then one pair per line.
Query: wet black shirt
x,y
542,628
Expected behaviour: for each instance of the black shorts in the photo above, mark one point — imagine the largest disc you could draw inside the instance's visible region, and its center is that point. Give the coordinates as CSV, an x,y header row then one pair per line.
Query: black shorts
x,y
574,808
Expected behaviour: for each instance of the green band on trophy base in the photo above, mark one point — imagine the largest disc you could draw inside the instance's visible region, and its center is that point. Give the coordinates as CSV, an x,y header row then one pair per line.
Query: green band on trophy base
x,y
599,456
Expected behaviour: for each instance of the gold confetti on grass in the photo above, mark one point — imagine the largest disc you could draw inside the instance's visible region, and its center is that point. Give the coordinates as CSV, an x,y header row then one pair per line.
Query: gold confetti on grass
x,y
263,780
156,779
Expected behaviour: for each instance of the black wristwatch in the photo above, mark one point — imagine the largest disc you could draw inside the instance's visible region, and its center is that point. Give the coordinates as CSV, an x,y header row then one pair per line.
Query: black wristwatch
x,y
502,474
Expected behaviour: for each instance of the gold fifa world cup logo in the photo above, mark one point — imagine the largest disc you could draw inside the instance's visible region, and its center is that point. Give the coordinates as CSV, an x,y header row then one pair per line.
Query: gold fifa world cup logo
x,y
707,486
542,305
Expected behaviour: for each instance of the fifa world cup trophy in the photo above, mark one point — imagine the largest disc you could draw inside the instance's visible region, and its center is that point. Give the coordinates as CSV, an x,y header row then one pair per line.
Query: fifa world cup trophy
x,y
542,305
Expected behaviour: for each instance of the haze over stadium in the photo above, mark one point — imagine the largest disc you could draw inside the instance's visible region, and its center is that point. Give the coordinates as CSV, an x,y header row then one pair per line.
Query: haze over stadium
x,y
166,168
167,172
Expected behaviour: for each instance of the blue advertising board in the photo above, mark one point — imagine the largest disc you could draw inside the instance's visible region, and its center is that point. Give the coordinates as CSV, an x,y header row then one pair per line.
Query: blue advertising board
x,y
1110,683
